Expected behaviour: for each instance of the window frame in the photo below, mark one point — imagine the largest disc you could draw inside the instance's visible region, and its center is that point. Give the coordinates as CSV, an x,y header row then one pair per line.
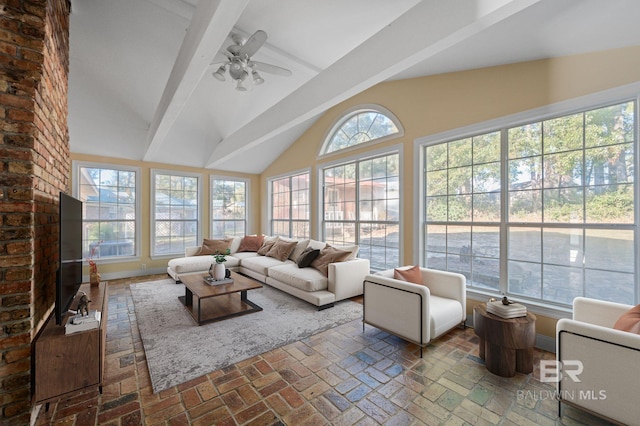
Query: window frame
x,y
76,166
270,196
153,190
247,201
346,116
381,152
585,103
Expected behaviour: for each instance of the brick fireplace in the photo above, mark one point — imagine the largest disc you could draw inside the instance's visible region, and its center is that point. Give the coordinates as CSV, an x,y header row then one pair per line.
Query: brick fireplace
x,y
35,166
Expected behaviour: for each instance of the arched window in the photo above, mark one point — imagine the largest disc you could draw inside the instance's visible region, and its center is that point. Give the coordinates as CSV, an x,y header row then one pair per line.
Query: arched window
x,y
360,125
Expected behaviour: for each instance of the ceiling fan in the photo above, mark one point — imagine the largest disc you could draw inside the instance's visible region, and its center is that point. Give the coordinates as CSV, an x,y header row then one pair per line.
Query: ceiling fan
x,y
240,65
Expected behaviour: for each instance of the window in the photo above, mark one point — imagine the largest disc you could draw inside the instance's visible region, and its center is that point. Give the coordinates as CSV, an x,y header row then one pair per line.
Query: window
x,y
228,207
362,125
361,206
556,215
109,210
175,212
290,206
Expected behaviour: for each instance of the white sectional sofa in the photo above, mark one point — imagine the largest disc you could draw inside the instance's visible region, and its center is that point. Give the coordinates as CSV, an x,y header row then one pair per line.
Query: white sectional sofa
x,y
343,280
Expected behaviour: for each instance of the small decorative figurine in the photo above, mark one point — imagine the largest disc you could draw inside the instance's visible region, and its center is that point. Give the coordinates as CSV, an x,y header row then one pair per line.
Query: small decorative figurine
x,y
506,301
83,304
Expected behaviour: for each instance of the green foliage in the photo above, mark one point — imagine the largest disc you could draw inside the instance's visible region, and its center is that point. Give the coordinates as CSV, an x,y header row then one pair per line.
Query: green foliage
x,y
613,206
221,257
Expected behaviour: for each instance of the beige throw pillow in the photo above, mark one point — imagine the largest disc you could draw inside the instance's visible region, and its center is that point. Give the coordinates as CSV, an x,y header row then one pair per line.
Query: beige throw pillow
x,y
282,249
210,247
251,243
266,245
329,255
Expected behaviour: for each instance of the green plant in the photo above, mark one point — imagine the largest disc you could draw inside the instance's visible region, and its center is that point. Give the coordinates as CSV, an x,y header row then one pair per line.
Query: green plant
x,y
221,257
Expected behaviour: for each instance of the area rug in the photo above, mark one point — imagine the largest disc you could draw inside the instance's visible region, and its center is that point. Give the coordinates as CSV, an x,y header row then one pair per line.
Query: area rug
x,y
178,350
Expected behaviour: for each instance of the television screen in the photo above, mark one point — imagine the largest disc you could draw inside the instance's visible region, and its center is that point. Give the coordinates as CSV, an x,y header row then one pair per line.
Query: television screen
x,y
69,276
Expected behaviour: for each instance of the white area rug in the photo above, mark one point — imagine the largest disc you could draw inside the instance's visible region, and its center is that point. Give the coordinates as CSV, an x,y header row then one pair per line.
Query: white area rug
x,y
178,350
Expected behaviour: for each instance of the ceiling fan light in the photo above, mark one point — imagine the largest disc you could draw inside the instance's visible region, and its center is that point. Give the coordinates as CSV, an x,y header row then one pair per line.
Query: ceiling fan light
x,y
219,74
256,77
240,87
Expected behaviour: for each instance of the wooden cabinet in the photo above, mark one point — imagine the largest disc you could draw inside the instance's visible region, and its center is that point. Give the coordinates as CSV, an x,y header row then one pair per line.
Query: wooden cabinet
x,y
67,363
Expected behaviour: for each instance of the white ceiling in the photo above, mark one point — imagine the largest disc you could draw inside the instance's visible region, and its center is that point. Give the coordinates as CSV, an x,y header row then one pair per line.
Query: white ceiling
x,y
141,85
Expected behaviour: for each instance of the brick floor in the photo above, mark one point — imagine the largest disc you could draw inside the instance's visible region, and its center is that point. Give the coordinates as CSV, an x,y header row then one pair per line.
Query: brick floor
x,y
338,377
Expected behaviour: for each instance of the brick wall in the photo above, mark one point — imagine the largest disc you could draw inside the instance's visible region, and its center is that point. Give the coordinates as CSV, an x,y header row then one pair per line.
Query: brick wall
x,y
34,167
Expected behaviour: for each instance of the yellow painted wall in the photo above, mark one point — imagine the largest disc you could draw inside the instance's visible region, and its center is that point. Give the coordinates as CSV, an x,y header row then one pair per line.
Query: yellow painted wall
x,y
135,268
434,104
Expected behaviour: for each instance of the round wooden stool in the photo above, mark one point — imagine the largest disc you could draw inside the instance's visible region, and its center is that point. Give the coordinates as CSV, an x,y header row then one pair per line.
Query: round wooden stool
x,y
506,345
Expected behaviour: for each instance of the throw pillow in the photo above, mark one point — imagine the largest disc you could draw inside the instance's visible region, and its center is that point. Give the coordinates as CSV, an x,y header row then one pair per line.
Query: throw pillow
x,y
329,255
266,245
629,321
251,243
281,249
307,256
210,247
353,249
412,275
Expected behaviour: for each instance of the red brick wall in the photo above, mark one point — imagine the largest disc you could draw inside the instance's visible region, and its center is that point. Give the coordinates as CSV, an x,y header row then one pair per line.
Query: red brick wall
x,y
34,167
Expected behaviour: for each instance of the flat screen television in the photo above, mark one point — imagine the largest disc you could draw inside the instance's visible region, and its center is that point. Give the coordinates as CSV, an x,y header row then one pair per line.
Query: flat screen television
x,y
69,274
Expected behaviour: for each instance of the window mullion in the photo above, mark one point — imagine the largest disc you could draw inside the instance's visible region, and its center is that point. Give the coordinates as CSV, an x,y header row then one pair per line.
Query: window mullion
x,y
504,211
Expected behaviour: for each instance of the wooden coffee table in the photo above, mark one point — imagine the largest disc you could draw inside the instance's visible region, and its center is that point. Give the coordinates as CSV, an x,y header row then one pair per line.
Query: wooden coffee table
x,y
219,301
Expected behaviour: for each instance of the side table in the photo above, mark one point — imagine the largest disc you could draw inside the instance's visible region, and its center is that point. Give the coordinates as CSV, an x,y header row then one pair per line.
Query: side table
x,y
506,345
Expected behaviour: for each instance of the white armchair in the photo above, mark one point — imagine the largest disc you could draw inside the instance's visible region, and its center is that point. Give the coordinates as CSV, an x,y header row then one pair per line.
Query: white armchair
x,y
609,383
416,313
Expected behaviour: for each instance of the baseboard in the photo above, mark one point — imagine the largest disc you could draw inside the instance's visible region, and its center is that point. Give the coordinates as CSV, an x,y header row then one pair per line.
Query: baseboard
x,y
128,274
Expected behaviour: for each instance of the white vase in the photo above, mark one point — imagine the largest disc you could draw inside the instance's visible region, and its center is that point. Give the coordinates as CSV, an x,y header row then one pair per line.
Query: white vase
x,y
218,271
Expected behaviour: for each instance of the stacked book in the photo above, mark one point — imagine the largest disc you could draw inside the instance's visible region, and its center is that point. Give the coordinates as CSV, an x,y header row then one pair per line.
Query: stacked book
x,y
81,322
512,310
212,281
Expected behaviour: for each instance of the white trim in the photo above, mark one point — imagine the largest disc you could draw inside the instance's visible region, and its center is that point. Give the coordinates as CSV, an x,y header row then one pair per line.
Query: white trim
x,y
77,165
346,115
247,200
269,181
621,94
380,152
152,200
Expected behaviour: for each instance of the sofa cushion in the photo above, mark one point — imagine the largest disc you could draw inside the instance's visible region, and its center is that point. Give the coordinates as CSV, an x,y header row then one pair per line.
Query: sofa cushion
x,y
307,256
210,247
629,321
235,244
251,243
316,244
329,255
245,255
412,274
185,265
261,264
281,249
306,279
189,264
445,314
352,248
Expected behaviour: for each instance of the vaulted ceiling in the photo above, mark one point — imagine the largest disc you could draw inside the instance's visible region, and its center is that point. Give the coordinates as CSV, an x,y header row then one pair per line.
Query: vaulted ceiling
x,y
141,84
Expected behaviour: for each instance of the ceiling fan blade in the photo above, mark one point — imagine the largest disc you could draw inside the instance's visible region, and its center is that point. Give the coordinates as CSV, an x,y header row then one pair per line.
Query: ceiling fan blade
x,y
272,69
253,44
